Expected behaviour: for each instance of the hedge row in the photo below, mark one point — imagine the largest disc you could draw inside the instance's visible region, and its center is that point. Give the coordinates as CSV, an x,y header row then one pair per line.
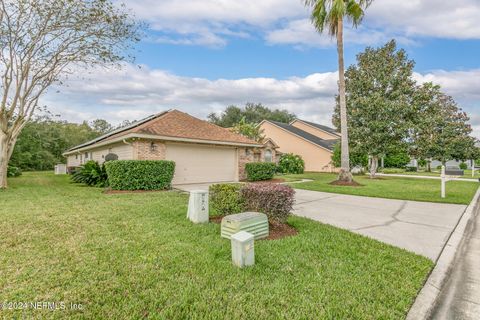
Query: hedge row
x,y
140,174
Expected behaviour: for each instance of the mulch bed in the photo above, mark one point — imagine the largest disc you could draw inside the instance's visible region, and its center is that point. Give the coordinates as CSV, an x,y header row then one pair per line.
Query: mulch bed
x,y
346,184
217,219
110,191
280,231
276,230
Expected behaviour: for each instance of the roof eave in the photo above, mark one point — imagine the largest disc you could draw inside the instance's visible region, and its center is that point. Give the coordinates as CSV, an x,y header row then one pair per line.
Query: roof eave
x,y
159,137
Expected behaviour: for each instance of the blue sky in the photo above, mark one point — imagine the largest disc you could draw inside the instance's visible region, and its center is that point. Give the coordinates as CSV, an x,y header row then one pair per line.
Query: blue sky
x,y
201,55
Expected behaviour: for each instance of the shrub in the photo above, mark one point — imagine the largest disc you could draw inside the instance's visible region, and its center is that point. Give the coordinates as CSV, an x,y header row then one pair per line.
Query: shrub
x,y
410,169
397,160
140,174
275,200
91,174
356,158
392,170
226,199
13,171
463,166
422,163
439,167
291,163
257,171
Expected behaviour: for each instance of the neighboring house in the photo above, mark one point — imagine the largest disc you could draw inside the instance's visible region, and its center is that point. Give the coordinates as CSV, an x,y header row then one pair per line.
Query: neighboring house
x,y
312,141
203,152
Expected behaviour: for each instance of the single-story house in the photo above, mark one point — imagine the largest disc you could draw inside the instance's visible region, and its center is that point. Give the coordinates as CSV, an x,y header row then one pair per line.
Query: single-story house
x,y
312,141
203,152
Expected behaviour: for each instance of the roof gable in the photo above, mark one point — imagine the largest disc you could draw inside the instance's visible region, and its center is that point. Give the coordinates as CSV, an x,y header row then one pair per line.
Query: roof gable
x,y
326,144
175,124
326,129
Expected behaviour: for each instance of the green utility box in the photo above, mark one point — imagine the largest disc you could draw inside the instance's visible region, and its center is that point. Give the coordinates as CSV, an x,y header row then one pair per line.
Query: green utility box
x,y
253,222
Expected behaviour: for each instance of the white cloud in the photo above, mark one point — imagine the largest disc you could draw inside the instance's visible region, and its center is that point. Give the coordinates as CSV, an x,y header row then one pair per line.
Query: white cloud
x,y
133,93
209,22
443,19
302,33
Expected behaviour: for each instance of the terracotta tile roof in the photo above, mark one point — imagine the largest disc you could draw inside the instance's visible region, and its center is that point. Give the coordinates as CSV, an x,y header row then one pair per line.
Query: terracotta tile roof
x,y
175,124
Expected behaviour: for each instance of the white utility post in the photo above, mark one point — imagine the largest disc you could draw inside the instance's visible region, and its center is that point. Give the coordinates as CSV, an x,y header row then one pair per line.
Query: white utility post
x,y
198,206
444,180
243,251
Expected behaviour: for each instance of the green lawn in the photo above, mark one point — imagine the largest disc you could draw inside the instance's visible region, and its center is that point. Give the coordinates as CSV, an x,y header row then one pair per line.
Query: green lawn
x,y
131,256
392,187
435,173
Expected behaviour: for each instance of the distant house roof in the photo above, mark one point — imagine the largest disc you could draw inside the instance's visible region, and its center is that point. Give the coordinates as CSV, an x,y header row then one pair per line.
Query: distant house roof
x,y
327,144
174,125
320,126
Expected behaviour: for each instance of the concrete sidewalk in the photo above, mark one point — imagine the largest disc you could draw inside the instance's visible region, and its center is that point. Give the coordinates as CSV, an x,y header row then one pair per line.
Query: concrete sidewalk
x,y
421,227
460,296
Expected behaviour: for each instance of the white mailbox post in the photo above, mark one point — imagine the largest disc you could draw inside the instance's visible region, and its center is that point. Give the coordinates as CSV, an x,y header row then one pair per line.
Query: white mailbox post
x,y
243,250
444,181
198,206
448,175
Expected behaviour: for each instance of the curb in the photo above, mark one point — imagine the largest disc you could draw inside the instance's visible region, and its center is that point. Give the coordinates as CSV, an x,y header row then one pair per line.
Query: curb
x,y
428,295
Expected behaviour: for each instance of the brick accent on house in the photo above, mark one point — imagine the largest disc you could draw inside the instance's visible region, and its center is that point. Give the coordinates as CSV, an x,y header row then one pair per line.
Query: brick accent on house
x,y
245,155
142,150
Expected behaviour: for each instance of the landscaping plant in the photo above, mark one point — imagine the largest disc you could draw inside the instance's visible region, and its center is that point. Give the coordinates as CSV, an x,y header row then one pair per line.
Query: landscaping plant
x,y
411,169
463,166
13,171
396,160
290,163
225,198
275,200
140,174
91,174
258,171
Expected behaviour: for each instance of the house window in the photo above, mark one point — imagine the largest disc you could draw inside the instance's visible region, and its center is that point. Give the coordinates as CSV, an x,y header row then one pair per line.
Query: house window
x,y
76,157
268,155
86,155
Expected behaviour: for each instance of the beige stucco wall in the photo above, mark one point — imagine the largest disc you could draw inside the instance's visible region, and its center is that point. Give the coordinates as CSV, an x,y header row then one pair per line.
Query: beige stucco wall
x,y
122,150
316,158
312,130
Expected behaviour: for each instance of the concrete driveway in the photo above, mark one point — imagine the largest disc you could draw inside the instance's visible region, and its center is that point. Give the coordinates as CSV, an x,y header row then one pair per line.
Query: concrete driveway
x,y
421,227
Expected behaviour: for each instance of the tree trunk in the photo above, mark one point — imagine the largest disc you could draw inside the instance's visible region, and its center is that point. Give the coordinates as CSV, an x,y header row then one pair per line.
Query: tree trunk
x,y
429,165
373,167
345,174
3,160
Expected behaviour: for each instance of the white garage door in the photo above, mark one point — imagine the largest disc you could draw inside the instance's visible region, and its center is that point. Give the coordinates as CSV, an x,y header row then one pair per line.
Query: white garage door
x,y
199,164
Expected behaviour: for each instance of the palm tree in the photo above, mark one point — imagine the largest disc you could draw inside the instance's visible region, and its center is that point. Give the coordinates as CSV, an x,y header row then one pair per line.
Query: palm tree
x,y
330,14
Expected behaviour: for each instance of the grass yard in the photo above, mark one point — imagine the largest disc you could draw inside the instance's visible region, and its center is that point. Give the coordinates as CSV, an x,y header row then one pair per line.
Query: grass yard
x,y
434,173
392,188
131,256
